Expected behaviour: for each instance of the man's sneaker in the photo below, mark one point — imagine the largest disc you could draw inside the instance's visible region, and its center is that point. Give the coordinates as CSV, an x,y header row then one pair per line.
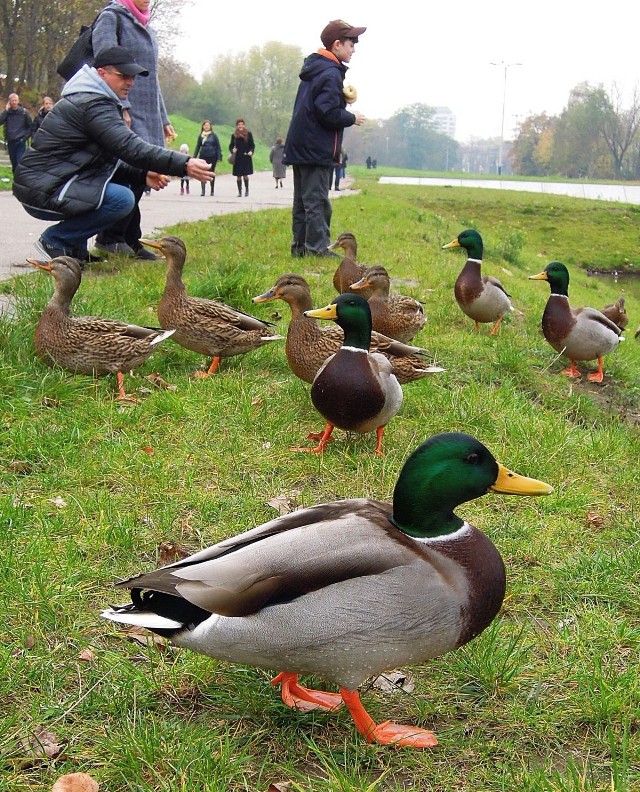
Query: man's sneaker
x,y
48,251
145,255
121,248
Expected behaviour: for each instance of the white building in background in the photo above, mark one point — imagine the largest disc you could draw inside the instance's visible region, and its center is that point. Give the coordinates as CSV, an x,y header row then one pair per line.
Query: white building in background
x,y
444,121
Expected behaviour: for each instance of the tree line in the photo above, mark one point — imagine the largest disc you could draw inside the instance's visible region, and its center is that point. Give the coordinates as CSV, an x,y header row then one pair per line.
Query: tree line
x,y
595,136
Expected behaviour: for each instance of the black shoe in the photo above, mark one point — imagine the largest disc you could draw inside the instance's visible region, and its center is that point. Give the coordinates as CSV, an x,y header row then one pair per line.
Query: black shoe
x,y
144,255
88,258
298,252
48,251
120,248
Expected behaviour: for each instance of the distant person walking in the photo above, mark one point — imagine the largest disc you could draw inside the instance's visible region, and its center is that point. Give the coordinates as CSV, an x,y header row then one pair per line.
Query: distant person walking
x,y
47,104
315,136
17,129
242,148
208,147
276,159
184,179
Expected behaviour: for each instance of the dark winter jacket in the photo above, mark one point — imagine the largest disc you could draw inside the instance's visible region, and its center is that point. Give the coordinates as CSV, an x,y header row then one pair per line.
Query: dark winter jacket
x,y
80,145
243,166
208,147
37,121
319,114
17,124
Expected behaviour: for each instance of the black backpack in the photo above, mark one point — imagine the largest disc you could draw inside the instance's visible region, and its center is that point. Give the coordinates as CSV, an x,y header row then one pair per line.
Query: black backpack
x,y
81,51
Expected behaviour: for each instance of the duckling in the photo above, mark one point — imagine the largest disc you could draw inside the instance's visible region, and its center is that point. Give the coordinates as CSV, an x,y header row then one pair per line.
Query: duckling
x,y
309,344
344,590
88,344
397,316
355,389
481,297
617,313
577,333
205,326
349,271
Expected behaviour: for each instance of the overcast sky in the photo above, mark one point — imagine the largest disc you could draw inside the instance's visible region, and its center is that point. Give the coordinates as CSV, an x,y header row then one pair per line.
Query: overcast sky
x,y
441,55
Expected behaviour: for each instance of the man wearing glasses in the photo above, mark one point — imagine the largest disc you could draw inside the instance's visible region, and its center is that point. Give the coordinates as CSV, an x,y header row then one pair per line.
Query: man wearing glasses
x,y
84,159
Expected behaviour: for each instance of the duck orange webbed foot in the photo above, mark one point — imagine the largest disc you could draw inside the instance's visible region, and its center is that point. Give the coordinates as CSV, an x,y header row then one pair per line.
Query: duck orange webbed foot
x,y
572,371
211,370
303,699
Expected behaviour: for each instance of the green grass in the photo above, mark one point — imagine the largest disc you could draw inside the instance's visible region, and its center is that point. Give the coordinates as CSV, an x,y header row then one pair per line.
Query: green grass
x,y
548,698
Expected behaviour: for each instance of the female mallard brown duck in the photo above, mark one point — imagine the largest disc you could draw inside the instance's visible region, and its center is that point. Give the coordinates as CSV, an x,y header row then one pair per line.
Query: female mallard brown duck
x,y
205,326
349,271
354,389
481,297
309,343
576,333
88,344
344,590
617,313
396,316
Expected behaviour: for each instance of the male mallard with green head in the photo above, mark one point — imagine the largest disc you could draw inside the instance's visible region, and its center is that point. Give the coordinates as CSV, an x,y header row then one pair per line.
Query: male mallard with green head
x,y
481,297
345,590
206,326
309,343
577,333
355,389
88,344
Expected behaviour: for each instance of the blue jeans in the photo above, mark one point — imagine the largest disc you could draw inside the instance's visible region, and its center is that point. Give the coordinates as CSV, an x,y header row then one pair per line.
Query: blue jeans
x,y
16,149
72,233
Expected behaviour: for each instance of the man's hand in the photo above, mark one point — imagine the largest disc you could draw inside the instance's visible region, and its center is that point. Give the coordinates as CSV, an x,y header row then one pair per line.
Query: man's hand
x,y
360,119
169,132
199,169
157,181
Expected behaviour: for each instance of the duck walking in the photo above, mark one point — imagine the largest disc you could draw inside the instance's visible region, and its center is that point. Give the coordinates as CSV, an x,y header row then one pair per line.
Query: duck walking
x,y
348,271
309,343
344,590
397,315
88,344
355,389
205,326
577,333
481,297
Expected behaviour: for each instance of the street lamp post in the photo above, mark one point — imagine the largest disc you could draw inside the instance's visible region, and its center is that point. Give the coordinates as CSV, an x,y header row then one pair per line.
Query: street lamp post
x,y
506,67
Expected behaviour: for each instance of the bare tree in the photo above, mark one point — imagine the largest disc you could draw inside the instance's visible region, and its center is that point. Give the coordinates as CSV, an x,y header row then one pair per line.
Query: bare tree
x,y
620,127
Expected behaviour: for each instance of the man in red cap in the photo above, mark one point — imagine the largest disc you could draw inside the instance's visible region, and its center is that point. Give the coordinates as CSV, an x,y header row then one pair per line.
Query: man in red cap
x,y
314,140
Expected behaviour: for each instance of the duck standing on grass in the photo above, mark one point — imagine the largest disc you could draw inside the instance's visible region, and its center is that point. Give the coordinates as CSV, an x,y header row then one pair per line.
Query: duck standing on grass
x,y
617,312
355,390
396,315
577,333
309,343
205,326
344,590
88,344
481,297
348,271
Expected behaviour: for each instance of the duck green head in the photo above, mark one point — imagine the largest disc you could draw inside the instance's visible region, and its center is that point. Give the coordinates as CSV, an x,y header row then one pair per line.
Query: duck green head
x,y
470,240
557,275
352,313
446,470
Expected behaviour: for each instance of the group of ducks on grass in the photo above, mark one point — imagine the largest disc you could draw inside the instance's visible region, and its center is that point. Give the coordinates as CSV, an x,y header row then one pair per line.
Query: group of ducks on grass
x,y
349,589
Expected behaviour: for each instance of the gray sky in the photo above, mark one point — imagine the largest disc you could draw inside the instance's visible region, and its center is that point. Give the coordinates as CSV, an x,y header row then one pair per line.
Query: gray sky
x,y
441,55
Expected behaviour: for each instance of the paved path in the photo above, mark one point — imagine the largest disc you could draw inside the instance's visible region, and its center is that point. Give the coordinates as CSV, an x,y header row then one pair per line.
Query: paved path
x,y
19,231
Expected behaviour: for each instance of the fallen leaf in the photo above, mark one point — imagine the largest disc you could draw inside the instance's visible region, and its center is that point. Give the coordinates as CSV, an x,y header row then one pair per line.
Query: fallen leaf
x,y
29,642
155,379
58,501
594,520
148,449
257,401
75,782
42,744
46,401
143,637
280,786
393,681
284,503
168,552
19,466
87,656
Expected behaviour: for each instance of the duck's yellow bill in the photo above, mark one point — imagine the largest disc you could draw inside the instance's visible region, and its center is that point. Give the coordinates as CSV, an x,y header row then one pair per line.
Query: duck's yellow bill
x,y
452,244
328,312
510,483
539,276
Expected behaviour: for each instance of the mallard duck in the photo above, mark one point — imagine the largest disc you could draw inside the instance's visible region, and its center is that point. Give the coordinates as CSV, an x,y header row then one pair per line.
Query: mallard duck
x,y
397,316
344,590
617,313
354,389
88,344
309,343
577,333
481,297
205,326
349,271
